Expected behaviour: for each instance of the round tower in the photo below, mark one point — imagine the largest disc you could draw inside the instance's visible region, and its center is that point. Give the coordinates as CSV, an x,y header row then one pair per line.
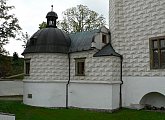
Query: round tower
x,y
46,66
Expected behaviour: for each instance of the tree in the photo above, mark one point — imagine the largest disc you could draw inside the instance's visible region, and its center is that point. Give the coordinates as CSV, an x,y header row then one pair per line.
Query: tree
x,y
81,18
15,56
9,26
42,25
5,66
25,37
78,19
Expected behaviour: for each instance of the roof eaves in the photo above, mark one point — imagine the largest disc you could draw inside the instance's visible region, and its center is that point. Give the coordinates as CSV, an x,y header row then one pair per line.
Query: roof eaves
x,y
107,51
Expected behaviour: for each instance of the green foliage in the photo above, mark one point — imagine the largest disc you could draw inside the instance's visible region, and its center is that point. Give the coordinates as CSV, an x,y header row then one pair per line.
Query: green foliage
x,y
24,37
42,25
5,66
9,26
81,18
11,66
78,19
15,56
24,112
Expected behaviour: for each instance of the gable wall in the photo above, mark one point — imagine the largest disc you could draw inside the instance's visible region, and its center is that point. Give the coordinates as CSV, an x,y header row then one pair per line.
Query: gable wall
x,y
132,23
97,43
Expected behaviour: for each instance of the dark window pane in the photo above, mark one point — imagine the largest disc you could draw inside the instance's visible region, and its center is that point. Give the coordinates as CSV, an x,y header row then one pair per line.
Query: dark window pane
x,y
29,95
104,40
155,44
27,68
162,43
80,68
162,58
155,59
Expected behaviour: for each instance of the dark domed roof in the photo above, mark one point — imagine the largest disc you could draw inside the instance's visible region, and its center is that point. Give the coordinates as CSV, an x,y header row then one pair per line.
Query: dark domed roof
x,y
52,14
48,40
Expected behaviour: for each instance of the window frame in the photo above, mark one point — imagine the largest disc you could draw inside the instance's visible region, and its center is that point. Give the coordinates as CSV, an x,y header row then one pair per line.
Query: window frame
x,y
152,49
29,96
77,61
27,72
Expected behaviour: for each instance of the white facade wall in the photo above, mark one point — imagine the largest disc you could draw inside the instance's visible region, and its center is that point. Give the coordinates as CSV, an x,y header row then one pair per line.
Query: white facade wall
x,y
45,94
48,66
11,88
100,87
105,68
132,23
134,88
115,21
135,22
94,95
49,73
4,116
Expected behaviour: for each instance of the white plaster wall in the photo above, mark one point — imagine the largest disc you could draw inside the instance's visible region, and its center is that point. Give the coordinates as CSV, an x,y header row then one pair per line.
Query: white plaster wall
x,y
112,22
116,24
48,66
4,116
132,23
9,88
97,68
49,74
94,95
99,88
134,88
115,96
45,94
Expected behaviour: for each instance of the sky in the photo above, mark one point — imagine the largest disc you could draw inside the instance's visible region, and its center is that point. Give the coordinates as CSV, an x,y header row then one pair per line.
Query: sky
x,y
31,13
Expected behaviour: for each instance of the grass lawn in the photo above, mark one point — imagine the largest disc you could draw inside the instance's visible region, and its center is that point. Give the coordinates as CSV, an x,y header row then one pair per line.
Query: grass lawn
x,y
24,112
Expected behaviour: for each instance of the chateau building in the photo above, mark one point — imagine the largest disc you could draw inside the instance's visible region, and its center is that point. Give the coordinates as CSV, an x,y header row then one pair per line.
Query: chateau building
x,y
102,68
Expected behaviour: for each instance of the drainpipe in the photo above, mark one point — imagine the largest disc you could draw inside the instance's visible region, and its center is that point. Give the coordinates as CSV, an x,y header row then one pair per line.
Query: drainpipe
x,y
67,85
121,63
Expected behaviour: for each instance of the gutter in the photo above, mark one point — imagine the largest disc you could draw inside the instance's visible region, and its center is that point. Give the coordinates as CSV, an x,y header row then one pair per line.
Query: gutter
x,y
67,85
121,75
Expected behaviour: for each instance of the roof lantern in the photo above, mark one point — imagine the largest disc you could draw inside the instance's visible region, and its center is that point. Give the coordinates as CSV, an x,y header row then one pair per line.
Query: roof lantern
x,y
52,18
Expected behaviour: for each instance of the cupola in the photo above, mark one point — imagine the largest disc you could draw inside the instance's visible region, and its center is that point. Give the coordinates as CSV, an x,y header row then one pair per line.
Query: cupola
x,y
52,18
49,39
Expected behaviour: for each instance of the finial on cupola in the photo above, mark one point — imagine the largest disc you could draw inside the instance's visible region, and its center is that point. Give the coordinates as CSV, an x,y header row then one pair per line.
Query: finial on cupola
x,y
52,8
51,18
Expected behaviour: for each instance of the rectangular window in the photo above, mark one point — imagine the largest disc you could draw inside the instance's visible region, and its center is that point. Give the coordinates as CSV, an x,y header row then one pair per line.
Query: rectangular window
x,y
80,66
104,39
27,66
157,52
29,96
